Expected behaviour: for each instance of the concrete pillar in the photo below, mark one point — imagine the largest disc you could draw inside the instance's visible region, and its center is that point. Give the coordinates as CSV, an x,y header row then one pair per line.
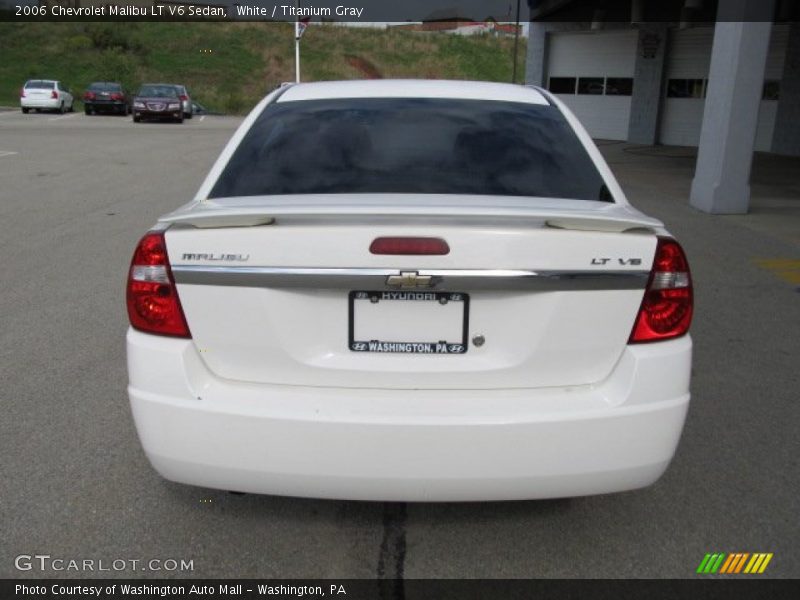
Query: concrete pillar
x,y
647,78
536,58
786,139
722,179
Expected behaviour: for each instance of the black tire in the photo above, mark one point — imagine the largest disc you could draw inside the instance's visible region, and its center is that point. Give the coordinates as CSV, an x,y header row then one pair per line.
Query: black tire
x,y
25,111
87,111
187,115
137,119
72,107
62,109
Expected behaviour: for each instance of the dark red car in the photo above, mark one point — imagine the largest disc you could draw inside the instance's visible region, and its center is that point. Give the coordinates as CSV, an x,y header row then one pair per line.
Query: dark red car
x,y
157,101
106,96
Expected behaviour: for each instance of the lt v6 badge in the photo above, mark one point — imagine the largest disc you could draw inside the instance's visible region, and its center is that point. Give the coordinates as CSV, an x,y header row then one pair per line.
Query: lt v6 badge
x,y
623,261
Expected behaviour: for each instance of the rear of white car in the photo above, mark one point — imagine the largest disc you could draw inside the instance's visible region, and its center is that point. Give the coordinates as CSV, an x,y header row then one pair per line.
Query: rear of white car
x,y
45,94
455,303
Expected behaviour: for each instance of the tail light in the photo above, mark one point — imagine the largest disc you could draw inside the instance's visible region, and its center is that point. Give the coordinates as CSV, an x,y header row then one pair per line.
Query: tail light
x,y
184,97
409,246
666,310
54,95
116,96
152,298
89,96
22,92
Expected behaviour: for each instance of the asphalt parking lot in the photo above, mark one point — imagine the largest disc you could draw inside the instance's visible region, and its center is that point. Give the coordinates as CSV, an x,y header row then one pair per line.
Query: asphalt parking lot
x,y
77,192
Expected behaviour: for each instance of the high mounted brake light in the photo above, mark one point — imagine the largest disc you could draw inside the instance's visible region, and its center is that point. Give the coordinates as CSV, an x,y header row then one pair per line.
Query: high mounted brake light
x,y
409,246
666,310
152,298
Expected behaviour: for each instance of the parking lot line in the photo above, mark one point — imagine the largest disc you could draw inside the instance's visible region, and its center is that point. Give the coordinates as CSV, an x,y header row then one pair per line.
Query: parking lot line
x,y
201,118
787,269
7,153
63,117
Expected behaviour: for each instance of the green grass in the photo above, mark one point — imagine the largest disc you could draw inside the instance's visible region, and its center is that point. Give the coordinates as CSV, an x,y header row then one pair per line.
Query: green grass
x,y
245,61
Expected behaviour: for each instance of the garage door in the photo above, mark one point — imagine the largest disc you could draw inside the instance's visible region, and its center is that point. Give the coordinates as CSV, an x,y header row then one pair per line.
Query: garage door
x,y
592,72
689,59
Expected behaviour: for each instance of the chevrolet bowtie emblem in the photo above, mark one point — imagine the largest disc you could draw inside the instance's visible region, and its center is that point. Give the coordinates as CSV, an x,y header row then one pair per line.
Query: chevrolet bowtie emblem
x,y
409,279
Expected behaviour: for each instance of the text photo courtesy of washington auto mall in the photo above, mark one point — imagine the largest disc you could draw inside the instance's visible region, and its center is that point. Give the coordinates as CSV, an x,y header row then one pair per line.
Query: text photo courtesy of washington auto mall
x,y
411,299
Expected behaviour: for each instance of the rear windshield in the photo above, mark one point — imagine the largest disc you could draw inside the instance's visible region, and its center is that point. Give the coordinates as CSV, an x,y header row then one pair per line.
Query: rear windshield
x,y
423,146
38,84
157,91
105,87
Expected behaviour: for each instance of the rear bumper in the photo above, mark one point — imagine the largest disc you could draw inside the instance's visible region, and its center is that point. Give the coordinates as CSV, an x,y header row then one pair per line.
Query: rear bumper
x,y
101,105
413,445
44,103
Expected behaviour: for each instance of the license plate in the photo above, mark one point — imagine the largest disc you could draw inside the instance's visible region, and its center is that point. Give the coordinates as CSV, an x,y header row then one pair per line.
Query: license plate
x,y
409,322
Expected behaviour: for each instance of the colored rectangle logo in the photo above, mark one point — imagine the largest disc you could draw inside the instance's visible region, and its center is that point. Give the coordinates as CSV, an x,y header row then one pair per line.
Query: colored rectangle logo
x,y
734,563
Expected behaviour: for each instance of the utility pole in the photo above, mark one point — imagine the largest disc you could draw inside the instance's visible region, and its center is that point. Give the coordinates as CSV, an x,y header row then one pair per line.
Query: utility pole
x,y
297,43
516,44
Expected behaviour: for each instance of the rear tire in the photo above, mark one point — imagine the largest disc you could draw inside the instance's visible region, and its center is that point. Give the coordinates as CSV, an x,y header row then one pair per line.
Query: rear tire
x,y
137,119
62,109
188,115
26,110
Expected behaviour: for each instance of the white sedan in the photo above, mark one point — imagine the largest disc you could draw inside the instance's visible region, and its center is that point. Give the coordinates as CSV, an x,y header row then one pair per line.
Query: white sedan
x,y
46,94
410,291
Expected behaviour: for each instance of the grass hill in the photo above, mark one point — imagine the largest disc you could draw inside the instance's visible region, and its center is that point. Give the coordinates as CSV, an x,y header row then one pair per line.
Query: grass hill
x,y
229,66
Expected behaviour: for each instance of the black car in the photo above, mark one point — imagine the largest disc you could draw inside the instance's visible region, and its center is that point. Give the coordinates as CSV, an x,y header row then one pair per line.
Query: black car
x,y
106,96
157,101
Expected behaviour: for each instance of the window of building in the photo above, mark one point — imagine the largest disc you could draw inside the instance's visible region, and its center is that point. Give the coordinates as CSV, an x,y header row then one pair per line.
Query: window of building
x,y
686,88
772,90
619,86
591,85
563,85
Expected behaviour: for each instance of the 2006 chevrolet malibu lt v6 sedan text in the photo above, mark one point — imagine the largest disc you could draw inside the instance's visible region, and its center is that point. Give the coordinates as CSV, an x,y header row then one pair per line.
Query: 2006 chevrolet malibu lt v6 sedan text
x,y
410,290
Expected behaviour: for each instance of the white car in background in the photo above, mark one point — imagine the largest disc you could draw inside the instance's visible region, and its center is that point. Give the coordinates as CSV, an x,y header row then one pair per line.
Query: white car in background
x,y
410,291
45,94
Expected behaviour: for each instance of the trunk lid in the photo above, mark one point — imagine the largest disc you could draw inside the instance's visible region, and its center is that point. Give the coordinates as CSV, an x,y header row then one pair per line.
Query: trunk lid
x,y
286,292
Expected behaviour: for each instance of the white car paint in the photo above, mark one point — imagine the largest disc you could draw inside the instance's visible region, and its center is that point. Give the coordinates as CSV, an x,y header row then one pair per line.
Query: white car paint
x,y
57,97
267,396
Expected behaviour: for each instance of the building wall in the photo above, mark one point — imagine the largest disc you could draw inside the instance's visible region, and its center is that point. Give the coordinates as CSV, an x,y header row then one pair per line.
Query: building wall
x,y
689,58
786,138
654,114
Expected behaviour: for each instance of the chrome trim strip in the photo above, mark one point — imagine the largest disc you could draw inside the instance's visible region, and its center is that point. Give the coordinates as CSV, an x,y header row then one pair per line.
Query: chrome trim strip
x,y
375,279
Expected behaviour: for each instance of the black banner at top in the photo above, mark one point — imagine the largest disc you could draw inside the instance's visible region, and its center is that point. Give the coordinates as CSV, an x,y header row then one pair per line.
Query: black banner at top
x,y
419,12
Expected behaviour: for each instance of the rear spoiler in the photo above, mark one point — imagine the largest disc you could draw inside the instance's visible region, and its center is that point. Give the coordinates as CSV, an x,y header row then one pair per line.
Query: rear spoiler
x,y
562,214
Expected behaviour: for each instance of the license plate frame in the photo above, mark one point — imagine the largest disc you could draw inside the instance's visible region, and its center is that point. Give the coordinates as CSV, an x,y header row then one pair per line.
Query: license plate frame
x,y
436,347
